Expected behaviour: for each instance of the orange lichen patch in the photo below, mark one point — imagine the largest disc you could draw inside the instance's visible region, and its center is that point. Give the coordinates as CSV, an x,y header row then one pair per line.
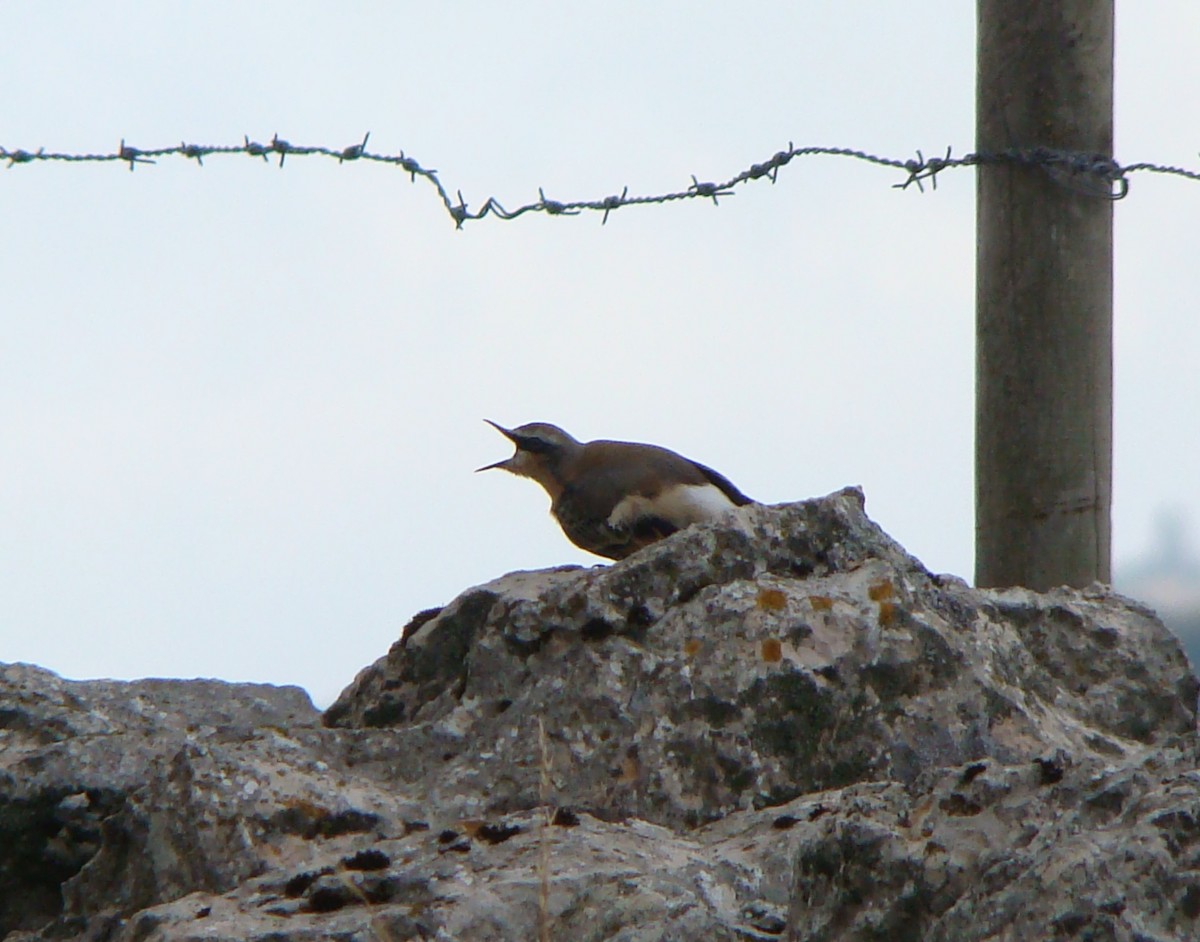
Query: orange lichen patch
x,y
692,647
887,614
771,600
881,590
772,650
820,603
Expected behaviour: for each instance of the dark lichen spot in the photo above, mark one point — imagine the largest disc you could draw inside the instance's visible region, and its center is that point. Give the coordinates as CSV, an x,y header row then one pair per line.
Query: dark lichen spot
x,y
497,833
367,860
410,826
447,836
410,888
785,822
328,899
801,568
564,818
299,883
311,821
849,769
711,709
791,716
1051,769
348,822
798,632
737,776
684,594
639,617
818,812
890,680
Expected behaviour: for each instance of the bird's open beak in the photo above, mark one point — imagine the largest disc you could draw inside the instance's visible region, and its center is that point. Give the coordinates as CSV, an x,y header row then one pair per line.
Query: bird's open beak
x,y
507,433
499,464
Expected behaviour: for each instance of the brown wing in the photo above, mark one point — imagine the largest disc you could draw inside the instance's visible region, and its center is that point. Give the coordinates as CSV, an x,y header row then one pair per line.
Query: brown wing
x,y
653,464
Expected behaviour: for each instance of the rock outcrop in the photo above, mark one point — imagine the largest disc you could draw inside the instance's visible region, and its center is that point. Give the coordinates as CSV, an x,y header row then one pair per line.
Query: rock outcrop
x,y
775,726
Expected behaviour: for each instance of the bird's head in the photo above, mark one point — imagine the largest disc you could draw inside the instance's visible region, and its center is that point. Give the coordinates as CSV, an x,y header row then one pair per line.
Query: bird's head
x,y
543,451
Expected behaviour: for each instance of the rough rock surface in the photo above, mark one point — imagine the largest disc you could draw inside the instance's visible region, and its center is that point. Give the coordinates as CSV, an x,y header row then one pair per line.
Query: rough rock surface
x,y
775,726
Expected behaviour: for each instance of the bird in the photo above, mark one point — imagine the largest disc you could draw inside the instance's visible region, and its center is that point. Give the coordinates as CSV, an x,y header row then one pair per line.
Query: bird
x,y
613,498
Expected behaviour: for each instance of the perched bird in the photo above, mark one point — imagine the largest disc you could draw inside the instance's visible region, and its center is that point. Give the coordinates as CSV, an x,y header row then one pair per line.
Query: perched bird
x,y
613,498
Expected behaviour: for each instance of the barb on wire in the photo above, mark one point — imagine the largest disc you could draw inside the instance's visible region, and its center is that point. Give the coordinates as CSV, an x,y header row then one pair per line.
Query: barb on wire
x,y
133,156
1094,175
553,207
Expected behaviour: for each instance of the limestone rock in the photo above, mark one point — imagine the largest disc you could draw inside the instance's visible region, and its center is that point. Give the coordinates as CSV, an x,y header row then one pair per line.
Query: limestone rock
x,y
778,725
115,796
736,667
1044,850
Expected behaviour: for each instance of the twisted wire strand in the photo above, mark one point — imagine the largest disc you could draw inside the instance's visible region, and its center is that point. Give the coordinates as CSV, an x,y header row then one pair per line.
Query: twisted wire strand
x,y
1089,174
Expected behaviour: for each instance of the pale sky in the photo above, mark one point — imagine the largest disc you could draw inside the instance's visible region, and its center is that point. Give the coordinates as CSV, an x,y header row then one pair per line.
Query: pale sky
x,y
241,406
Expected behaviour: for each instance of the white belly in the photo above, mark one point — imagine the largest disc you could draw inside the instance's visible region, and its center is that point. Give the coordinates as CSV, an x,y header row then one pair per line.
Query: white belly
x,y
682,505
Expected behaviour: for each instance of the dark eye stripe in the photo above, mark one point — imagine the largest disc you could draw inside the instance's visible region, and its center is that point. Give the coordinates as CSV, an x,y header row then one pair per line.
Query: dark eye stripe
x,y
534,445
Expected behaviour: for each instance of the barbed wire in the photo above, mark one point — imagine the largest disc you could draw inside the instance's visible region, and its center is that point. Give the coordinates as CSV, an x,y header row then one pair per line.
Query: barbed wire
x,y
1090,174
